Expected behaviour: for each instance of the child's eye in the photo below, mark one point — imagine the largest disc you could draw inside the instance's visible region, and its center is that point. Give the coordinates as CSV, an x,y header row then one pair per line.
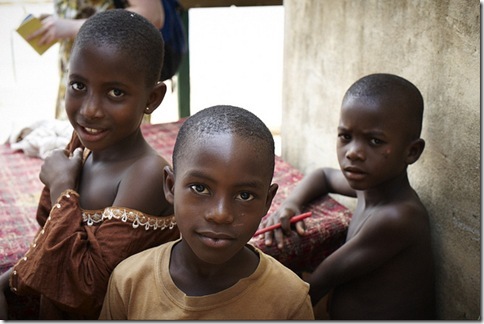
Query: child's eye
x,y
78,86
245,196
344,137
200,189
376,141
116,93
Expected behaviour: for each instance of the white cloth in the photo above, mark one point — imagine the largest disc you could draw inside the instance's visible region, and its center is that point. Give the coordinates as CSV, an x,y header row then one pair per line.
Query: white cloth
x,y
42,137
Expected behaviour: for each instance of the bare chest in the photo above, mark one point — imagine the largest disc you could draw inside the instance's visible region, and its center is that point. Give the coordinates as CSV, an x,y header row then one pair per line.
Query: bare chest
x,y
358,221
99,185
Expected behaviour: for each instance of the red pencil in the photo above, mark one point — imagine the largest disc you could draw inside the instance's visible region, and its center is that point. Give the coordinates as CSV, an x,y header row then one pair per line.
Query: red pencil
x,y
293,220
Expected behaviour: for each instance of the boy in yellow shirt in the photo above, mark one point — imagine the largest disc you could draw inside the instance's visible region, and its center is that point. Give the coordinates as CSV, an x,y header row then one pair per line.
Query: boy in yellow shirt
x,y
220,186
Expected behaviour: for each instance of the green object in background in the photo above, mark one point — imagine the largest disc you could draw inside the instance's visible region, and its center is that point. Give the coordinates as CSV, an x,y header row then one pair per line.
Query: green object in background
x,y
184,76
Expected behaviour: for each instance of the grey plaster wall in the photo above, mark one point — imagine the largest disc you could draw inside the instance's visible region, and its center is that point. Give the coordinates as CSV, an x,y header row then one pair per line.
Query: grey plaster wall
x,y
329,44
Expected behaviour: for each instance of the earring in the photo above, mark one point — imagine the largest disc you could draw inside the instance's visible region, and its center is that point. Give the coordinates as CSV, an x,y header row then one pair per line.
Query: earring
x,y
147,109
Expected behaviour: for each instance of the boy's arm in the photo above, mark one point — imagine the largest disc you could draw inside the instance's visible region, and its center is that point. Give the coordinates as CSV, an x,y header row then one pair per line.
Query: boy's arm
x,y
381,238
316,184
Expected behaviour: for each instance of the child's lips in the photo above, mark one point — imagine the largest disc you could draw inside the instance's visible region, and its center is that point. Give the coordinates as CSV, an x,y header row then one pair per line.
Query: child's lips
x,y
91,133
353,173
216,240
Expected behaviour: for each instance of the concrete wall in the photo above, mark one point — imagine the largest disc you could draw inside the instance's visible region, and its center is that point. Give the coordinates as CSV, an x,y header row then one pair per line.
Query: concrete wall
x,y
329,44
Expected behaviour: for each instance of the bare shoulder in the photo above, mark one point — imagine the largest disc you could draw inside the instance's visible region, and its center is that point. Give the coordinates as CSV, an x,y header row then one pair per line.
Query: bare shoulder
x,y
147,168
406,217
405,210
151,161
141,187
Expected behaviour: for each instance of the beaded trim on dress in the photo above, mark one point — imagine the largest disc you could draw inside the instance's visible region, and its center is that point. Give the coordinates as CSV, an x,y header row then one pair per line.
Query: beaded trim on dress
x,y
125,215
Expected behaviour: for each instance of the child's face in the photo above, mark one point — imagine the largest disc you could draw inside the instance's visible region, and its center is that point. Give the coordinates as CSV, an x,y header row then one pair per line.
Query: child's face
x,y
221,191
106,97
371,143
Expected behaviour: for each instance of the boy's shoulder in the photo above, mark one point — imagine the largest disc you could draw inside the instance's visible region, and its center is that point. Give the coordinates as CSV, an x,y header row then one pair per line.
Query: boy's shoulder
x,y
406,218
275,270
280,290
136,263
409,208
401,205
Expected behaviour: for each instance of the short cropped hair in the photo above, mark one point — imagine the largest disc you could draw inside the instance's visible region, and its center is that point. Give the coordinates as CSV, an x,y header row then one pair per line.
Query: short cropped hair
x,y
128,32
224,119
390,86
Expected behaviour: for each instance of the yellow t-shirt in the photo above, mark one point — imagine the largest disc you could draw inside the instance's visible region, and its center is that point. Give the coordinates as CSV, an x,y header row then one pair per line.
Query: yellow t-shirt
x,y
140,288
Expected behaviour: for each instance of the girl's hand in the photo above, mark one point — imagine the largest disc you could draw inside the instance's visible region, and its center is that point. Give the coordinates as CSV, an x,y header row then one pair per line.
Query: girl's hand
x,y
60,171
54,29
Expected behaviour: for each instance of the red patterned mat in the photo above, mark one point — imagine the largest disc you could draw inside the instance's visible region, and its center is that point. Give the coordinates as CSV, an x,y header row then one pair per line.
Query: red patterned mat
x,y
20,189
19,193
326,228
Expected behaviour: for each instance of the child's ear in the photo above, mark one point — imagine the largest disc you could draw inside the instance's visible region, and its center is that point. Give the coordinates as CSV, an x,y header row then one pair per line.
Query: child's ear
x,y
169,184
270,195
156,97
415,149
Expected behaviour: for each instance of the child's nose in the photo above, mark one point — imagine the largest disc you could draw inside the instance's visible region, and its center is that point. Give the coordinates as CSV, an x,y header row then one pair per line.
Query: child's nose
x,y
91,107
355,151
221,213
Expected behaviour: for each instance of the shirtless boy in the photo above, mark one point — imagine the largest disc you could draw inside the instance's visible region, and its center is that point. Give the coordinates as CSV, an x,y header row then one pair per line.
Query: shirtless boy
x,y
385,268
